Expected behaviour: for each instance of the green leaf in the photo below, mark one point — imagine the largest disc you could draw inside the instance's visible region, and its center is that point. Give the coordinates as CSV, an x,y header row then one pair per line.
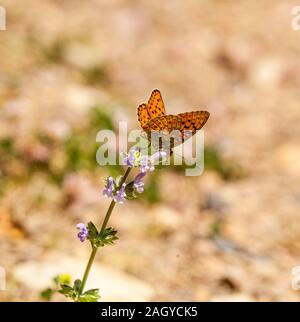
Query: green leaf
x,y
65,289
93,232
90,296
77,285
130,191
107,237
47,294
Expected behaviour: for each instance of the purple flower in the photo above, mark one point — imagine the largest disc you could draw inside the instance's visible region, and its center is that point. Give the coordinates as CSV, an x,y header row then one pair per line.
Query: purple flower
x,y
82,235
132,158
138,183
109,188
157,155
120,195
147,164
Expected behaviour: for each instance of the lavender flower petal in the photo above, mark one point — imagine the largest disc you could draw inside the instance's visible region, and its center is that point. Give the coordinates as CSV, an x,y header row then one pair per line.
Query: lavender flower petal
x,y
132,157
120,196
138,184
109,188
82,235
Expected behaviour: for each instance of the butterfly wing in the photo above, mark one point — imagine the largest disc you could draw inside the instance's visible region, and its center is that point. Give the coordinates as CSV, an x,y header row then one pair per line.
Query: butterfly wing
x,y
193,121
153,118
143,116
156,105
154,108
159,129
186,123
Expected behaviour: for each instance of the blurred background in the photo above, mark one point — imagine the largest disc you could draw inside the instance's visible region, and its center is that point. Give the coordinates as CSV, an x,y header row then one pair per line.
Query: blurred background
x,y
71,68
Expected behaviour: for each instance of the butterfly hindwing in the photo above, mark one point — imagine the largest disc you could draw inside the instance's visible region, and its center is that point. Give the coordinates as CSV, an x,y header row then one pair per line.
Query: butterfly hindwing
x,y
193,121
186,123
190,121
160,128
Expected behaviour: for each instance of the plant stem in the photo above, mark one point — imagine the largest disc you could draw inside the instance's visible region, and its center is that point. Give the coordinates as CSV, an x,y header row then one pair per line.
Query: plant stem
x,y
104,224
87,269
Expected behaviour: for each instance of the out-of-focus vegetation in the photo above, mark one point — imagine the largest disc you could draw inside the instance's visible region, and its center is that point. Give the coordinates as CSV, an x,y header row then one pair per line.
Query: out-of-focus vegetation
x,y
76,68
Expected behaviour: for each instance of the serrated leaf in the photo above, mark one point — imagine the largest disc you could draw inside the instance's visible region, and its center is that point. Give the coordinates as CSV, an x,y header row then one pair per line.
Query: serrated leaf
x,y
93,291
107,237
90,296
65,289
92,231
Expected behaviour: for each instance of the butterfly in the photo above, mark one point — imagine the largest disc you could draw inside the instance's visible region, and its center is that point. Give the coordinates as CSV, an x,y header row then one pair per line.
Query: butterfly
x,y
154,121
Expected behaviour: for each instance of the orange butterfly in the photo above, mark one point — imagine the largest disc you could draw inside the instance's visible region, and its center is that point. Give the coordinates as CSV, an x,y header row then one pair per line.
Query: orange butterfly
x,y
153,118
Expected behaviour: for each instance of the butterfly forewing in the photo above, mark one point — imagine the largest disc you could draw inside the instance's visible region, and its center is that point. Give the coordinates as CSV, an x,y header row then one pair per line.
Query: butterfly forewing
x,y
143,116
154,108
156,105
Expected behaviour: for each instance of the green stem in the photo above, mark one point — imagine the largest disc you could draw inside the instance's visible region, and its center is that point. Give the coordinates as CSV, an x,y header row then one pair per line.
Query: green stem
x,y
87,269
104,224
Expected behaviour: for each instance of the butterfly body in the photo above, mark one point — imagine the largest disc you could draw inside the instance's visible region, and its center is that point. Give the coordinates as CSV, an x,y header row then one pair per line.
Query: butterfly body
x,y
152,117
